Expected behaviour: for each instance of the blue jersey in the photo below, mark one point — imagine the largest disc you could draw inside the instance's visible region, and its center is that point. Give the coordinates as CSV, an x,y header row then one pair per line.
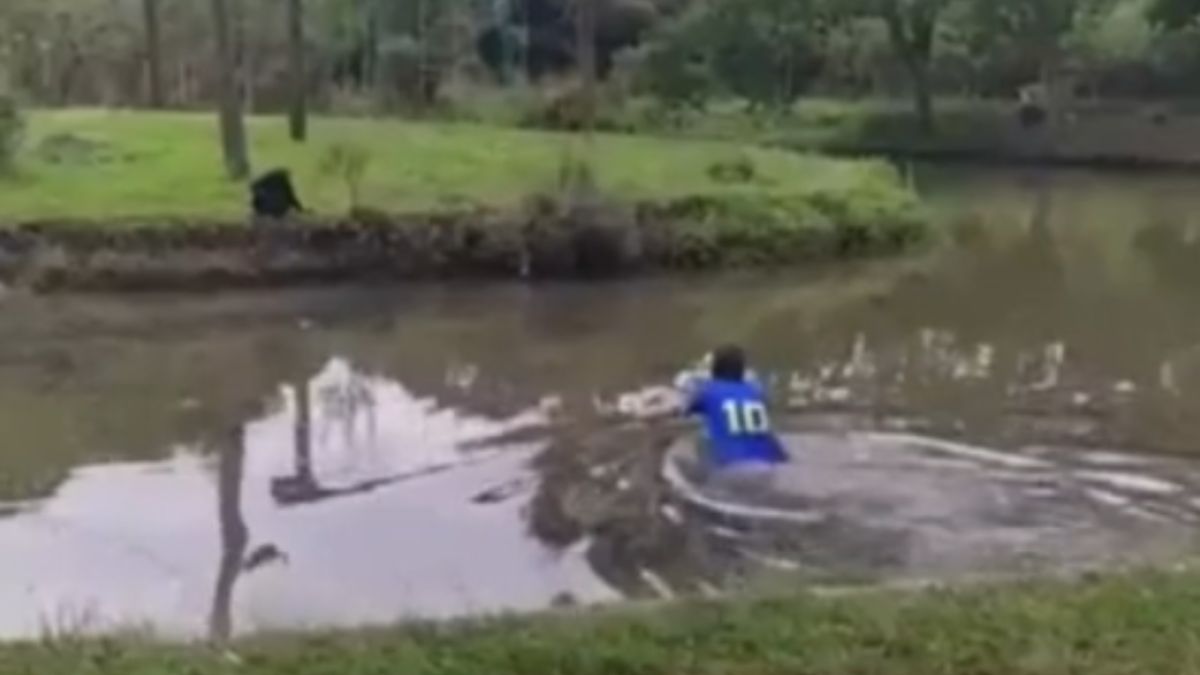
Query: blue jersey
x,y
739,427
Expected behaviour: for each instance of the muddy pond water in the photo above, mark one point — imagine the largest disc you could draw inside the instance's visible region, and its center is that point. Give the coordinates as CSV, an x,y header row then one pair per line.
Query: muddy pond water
x,y
1021,399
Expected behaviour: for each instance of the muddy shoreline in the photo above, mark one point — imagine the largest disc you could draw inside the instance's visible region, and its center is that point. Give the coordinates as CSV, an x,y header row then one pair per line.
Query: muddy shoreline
x,y
1005,158
1100,135
544,242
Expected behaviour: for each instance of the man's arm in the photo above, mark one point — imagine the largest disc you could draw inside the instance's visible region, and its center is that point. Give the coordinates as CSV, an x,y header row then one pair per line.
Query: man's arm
x,y
695,401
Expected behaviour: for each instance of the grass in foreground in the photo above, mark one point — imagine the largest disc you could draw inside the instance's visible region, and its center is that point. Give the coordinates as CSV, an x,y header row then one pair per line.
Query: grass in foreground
x,y
137,164
1141,623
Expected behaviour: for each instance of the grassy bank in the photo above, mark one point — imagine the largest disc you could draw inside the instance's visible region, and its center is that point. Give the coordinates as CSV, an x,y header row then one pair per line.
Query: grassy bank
x,y
138,200
1143,623
114,165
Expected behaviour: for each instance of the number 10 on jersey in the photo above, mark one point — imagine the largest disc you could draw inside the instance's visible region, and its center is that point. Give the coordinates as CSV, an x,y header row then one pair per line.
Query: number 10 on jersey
x,y
747,417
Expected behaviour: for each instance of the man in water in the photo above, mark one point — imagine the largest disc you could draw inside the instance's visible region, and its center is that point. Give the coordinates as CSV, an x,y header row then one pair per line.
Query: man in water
x,y
741,449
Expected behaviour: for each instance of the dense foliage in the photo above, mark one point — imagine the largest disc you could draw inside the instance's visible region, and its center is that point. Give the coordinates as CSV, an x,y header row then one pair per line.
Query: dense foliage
x,y
364,55
767,52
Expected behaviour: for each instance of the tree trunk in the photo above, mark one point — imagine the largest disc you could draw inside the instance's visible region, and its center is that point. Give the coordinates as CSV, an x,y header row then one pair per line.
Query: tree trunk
x,y
422,55
244,61
585,29
912,37
154,72
922,96
303,432
500,17
233,126
369,76
298,68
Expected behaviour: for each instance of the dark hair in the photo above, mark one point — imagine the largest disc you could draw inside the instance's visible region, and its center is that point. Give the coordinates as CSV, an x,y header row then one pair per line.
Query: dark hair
x,y
729,364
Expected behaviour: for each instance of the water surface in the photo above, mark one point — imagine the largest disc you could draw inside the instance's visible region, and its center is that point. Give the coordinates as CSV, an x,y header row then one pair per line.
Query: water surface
x,y
212,465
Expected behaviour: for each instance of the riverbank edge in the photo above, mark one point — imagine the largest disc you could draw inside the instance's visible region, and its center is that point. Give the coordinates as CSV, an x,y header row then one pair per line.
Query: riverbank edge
x,y
547,239
1138,621
1100,135
1003,159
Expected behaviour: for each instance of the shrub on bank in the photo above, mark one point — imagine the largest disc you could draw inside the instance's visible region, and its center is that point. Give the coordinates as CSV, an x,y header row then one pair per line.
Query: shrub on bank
x,y
738,230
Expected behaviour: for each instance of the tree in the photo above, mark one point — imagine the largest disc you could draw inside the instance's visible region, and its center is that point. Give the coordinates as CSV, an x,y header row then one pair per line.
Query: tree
x,y
544,35
768,53
1117,41
1173,13
298,72
1028,29
912,27
233,125
65,53
675,71
763,51
154,72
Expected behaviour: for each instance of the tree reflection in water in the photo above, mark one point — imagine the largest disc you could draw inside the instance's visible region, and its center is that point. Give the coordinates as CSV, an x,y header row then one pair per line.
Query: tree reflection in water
x,y
344,404
234,533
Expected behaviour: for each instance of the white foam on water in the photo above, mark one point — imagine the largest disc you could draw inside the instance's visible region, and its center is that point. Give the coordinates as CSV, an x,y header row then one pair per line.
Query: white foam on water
x,y
1101,458
660,587
1147,514
1131,481
1183,515
1042,492
961,449
1108,498
773,562
1125,387
672,514
690,493
902,503
725,532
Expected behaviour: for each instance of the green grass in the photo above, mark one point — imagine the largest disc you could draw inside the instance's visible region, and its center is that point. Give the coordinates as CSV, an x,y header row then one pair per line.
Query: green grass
x,y
1128,625
824,123
812,123
147,165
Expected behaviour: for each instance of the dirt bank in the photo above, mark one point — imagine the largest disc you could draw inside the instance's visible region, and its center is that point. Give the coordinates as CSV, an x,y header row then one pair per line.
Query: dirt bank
x,y
1107,135
543,241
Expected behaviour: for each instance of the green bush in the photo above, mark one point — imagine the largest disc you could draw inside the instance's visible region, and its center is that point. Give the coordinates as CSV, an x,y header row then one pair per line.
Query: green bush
x,y
348,162
740,229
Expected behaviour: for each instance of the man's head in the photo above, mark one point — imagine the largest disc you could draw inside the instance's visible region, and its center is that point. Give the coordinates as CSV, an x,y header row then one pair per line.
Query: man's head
x,y
729,364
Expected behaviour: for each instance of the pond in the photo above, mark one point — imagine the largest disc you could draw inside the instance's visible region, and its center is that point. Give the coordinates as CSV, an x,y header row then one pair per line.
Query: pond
x,y
217,465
